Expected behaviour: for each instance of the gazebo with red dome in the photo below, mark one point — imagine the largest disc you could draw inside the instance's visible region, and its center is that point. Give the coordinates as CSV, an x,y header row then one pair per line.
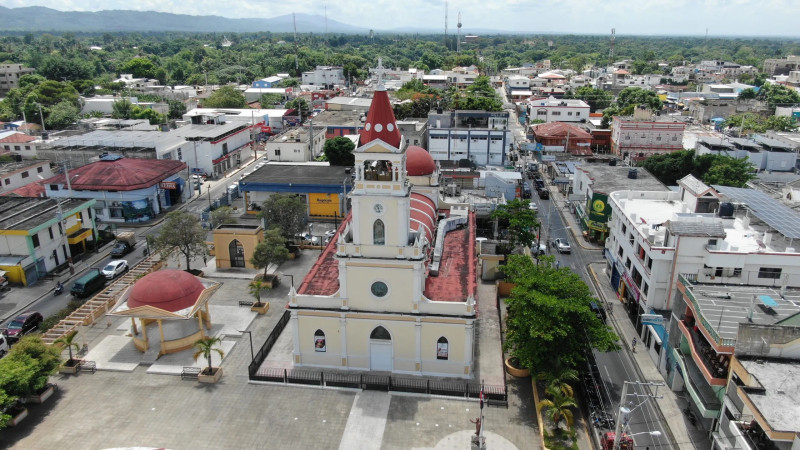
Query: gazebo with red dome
x,y
173,300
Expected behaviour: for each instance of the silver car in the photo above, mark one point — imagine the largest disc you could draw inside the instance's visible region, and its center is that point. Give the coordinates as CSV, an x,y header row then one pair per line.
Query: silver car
x,y
562,246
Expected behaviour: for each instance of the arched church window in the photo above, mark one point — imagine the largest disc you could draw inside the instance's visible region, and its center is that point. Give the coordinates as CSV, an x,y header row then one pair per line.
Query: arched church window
x,y
319,341
380,333
442,348
378,233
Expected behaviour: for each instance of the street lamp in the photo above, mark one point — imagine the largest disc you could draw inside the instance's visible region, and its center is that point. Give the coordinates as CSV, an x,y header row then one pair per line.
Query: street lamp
x,y
250,335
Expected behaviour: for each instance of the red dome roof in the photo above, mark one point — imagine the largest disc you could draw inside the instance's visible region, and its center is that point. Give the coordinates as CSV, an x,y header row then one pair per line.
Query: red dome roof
x,y
171,290
419,161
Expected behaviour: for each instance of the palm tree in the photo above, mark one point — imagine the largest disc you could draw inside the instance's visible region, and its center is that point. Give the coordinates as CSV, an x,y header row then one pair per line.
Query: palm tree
x,y
558,407
68,340
256,287
205,347
560,379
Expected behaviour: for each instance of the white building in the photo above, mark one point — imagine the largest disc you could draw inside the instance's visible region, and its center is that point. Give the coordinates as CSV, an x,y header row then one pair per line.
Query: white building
x,y
482,137
552,109
19,144
325,76
296,144
271,118
764,153
657,236
18,174
517,83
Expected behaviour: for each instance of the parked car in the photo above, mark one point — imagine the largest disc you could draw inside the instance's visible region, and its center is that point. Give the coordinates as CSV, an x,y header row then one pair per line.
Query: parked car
x,y
3,345
562,246
542,250
22,325
543,193
115,268
533,206
121,249
307,238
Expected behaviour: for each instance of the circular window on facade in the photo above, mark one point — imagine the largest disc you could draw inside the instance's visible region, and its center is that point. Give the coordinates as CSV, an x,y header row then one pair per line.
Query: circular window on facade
x,y
379,289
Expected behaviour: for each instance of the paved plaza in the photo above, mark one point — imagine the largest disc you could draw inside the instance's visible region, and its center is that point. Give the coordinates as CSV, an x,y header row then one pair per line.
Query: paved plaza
x,y
133,404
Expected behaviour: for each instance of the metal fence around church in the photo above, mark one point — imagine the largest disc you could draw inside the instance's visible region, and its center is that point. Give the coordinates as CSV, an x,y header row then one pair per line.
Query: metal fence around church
x,y
494,395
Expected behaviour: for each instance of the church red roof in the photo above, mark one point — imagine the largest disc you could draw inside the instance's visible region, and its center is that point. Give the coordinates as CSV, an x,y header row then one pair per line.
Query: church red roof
x,y
124,174
423,215
419,162
171,290
381,123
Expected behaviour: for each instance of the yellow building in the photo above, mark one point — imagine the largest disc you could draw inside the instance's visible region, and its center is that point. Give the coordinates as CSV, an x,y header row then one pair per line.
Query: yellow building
x,y
234,244
394,290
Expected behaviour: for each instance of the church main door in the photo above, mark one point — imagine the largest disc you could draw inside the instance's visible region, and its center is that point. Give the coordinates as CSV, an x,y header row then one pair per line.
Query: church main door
x,y
380,350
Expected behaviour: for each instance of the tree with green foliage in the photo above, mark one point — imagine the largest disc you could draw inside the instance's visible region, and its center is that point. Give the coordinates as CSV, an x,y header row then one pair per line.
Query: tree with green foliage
x,y
221,216
270,100
631,97
181,233
68,340
550,322
668,168
176,109
728,171
286,212
747,94
339,151
225,97
139,67
46,360
596,98
270,251
557,407
62,115
559,378
255,287
122,109
290,82
519,222
301,105
205,348
776,94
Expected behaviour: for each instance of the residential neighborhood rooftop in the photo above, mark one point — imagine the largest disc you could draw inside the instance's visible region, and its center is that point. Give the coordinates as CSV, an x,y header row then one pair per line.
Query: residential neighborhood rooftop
x,y
779,404
608,179
26,213
298,174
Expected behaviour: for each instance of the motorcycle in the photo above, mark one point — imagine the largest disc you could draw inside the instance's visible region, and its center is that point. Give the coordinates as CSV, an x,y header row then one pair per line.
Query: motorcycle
x,y
59,289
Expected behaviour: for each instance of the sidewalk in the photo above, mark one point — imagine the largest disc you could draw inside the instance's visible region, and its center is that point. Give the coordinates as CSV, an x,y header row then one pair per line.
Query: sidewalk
x,y
668,404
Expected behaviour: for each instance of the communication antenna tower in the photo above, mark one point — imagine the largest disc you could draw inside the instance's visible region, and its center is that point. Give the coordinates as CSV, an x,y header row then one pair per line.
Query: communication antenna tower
x,y
296,65
445,26
613,38
458,42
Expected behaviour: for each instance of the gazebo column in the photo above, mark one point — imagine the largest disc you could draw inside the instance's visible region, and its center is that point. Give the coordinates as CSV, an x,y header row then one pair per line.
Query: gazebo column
x,y
208,315
200,323
144,335
161,331
133,323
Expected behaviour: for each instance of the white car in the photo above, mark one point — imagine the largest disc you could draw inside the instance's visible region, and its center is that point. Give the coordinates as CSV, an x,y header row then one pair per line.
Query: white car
x,y
307,238
115,268
533,206
562,245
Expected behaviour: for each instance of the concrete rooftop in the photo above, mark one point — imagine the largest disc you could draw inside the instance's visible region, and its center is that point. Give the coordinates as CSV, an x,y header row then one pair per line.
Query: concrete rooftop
x,y
780,404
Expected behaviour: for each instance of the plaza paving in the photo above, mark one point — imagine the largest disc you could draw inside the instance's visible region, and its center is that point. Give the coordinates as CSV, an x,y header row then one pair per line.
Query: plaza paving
x,y
139,408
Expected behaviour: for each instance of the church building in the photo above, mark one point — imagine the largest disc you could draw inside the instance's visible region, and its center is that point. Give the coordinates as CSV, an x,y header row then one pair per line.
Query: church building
x,y
394,291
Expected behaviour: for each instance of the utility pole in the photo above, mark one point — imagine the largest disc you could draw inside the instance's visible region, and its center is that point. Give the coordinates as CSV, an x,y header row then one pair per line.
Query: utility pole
x,y
624,413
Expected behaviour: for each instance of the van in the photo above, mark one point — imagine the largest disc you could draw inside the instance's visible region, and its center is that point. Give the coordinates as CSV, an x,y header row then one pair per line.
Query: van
x,y
88,284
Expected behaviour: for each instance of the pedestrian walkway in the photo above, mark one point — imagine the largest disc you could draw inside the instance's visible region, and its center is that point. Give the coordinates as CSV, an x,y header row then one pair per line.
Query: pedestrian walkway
x,y
367,421
668,402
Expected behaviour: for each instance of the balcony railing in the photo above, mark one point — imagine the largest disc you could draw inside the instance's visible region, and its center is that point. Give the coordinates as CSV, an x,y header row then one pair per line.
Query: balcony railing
x,y
720,341
755,436
707,355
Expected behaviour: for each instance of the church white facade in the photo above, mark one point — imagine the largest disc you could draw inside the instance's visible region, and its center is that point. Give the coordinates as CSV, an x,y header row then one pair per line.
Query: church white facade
x,y
371,301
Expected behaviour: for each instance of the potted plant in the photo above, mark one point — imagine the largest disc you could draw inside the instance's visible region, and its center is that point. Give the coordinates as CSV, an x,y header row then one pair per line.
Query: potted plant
x,y
256,287
45,359
514,368
70,366
205,347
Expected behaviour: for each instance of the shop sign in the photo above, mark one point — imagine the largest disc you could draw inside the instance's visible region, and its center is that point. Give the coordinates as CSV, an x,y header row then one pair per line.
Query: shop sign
x,y
631,284
168,185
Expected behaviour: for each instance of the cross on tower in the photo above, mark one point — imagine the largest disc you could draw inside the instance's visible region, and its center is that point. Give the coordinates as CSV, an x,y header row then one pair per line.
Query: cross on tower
x,y
379,72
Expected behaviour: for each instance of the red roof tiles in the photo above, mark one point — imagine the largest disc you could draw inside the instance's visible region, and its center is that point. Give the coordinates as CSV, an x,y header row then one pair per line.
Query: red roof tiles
x,y
456,280
323,278
125,174
18,138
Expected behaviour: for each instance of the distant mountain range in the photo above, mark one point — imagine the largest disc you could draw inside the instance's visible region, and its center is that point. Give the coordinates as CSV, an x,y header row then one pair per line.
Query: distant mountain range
x,y
37,18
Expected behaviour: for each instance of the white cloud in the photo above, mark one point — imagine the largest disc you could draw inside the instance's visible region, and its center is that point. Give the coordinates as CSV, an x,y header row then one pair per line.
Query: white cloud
x,y
721,17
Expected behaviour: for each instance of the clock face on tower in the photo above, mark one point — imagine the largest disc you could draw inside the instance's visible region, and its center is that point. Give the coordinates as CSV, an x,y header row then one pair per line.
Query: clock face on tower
x,y
378,208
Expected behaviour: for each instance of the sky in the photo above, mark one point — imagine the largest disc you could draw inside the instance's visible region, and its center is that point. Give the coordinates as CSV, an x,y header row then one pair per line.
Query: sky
x,y
628,17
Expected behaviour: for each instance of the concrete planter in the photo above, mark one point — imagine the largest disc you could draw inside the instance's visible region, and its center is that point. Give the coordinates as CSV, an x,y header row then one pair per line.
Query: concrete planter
x,y
41,397
514,371
69,369
261,309
213,378
17,418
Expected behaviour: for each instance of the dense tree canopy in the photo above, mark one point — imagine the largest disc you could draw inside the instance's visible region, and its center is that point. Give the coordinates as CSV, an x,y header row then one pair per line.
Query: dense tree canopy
x,y
711,169
339,151
596,98
225,97
285,212
519,223
550,322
